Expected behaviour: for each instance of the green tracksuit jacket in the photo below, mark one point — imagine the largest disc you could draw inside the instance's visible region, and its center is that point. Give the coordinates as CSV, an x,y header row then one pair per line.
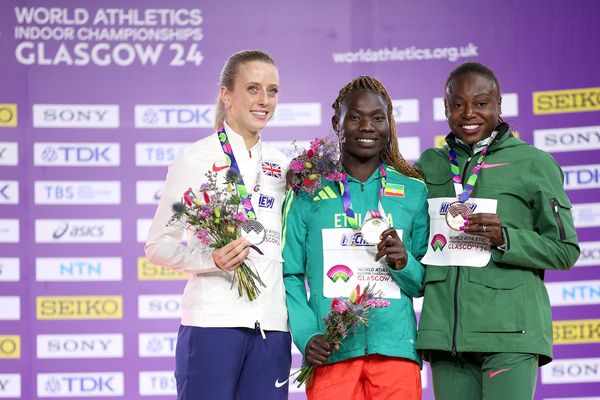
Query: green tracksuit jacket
x,y
504,306
392,330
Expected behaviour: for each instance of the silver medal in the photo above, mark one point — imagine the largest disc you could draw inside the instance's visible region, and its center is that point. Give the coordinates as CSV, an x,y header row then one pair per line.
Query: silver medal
x,y
253,231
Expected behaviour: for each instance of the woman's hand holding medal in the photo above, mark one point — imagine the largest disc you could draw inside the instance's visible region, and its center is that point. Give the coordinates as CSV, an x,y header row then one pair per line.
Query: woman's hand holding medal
x,y
484,224
392,248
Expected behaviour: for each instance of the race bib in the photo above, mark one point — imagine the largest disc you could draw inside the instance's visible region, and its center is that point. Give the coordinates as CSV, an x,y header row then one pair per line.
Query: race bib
x,y
450,247
348,260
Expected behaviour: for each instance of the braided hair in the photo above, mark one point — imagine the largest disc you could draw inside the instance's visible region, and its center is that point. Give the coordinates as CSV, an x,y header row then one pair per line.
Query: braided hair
x,y
390,154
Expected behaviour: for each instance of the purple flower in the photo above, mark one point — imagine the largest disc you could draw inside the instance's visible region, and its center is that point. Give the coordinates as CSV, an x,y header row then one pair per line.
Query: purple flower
x,y
205,213
315,144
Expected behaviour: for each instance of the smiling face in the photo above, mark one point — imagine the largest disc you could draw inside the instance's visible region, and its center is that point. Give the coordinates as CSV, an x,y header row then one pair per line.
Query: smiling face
x,y
473,107
364,125
250,104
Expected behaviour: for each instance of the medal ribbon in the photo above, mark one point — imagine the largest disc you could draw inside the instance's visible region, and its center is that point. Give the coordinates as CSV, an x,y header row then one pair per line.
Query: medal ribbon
x,y
347,201
454,168
239,185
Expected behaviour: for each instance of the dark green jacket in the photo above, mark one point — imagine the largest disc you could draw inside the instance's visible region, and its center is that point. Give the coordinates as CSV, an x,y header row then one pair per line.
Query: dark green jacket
x,y
503,307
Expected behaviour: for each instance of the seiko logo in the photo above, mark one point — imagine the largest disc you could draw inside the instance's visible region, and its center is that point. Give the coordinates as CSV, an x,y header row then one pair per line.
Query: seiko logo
x,y
82,307
8,115
65,154
174,116
80,384
75,116
582,176
10,346
571,100
150,271
581,331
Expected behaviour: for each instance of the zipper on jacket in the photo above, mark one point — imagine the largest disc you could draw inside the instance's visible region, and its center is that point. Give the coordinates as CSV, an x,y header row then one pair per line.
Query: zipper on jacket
x,y
455,328
561,228
362,186
366,343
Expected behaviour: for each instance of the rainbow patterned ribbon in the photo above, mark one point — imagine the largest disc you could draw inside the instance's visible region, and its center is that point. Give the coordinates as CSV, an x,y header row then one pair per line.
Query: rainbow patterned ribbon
x,y
239,184
454,168
347,201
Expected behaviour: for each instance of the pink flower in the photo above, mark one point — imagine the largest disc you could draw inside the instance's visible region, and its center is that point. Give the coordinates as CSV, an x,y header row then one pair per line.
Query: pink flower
x,y
240,217
297,166
187,197
315,144
202,237
339,306
334,176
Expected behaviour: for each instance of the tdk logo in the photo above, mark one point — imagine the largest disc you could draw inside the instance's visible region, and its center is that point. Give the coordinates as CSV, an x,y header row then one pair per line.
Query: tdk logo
x,y
76,154
445,205
174,116
353,239
80,384
75,116
266,201
9,154
582,176
157,344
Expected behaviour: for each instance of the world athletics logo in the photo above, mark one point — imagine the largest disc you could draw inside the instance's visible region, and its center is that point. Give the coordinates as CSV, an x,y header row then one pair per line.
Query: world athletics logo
x,y
339,272
438,242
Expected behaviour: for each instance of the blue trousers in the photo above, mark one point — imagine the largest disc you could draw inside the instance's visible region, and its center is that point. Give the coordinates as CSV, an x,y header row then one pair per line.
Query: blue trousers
x,y
232,364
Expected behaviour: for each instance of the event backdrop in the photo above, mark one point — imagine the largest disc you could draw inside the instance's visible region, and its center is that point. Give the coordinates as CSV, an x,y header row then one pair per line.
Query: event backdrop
x,y
97,98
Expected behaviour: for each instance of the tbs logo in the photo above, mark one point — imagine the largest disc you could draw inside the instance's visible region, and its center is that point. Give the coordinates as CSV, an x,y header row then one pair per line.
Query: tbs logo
x,y
266,201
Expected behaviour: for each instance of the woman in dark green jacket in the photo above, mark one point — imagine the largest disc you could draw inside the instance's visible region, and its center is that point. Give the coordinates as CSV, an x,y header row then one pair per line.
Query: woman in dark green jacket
x,y
499,218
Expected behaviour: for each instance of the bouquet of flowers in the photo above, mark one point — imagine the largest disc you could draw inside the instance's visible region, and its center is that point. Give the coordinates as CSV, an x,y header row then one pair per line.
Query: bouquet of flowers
x,y
215,218
320,160
343,318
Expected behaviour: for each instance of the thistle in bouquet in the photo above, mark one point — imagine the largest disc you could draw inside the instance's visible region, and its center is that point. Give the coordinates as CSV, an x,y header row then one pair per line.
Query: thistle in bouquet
x,y
344,317
320,160
213,215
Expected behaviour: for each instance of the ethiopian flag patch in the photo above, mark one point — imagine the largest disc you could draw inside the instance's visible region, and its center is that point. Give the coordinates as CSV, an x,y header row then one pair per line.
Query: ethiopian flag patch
x,y
393,190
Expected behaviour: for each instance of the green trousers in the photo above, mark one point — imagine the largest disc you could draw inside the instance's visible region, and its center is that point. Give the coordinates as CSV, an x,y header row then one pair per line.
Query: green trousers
x,y
483,376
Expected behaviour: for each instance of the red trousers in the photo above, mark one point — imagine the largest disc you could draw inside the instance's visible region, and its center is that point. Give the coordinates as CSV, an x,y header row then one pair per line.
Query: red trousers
x,y
365,378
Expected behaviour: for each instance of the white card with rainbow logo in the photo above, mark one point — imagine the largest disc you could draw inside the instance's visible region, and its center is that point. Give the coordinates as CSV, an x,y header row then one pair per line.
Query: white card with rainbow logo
x,y
348,260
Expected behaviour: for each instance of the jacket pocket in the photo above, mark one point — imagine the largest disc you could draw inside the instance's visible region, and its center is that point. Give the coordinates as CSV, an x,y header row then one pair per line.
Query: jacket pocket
x,y
560,206
494,301
437,300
